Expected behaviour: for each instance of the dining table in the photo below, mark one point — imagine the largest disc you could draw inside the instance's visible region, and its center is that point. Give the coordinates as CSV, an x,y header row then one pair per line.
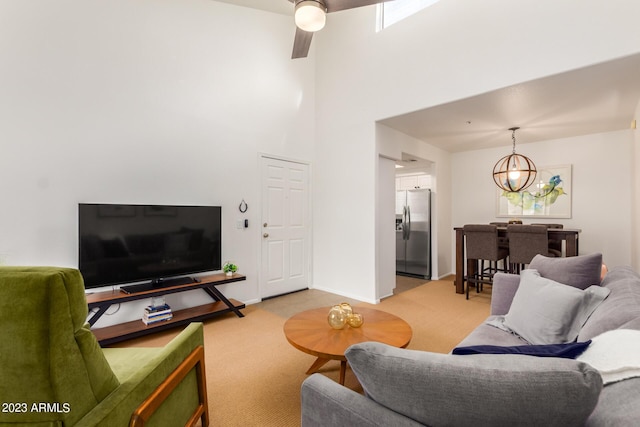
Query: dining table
x,y
570,236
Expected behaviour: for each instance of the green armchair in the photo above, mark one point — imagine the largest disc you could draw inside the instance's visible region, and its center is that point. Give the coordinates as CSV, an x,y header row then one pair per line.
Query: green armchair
x,y
54,373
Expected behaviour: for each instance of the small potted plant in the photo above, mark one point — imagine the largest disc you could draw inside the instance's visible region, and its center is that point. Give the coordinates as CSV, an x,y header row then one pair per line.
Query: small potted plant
x,y
229,268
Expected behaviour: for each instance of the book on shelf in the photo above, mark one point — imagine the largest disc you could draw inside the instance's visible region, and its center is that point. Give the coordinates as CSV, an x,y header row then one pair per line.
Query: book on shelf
x,y
152,311
156,315
156,319
158,311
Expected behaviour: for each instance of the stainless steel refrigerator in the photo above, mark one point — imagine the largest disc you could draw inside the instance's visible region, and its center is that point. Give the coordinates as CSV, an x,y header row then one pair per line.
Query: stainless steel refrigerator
x,y
413,233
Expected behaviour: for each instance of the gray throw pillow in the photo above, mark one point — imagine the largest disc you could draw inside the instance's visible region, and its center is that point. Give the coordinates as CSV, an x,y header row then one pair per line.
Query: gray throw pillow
x,y
621,307
577,271
480,390
544,311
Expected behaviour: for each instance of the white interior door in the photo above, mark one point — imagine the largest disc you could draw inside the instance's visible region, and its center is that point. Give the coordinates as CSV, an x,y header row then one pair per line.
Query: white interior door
x,y
286,230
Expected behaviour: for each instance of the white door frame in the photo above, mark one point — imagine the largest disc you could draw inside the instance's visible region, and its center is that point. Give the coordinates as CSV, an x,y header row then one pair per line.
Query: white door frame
x,y
261,280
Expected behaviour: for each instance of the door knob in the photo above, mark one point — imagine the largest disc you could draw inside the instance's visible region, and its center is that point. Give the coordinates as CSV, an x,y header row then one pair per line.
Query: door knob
x,y
265,235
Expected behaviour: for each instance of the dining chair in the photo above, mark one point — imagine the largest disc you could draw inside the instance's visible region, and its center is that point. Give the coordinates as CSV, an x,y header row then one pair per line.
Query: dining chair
x,y
554,244
503,241
483,245
525,242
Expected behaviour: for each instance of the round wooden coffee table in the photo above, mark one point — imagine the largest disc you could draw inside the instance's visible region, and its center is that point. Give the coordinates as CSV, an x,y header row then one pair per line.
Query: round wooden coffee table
x,y
310,332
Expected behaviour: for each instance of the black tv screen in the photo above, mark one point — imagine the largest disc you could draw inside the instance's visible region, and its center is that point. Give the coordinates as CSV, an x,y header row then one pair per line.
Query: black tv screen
x,y
132,243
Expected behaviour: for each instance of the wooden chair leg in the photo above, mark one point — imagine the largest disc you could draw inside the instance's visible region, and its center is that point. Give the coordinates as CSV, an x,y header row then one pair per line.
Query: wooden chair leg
x,y
473,278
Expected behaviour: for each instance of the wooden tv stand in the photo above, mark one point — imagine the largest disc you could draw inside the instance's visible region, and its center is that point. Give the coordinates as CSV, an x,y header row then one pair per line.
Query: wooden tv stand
x,y
124,331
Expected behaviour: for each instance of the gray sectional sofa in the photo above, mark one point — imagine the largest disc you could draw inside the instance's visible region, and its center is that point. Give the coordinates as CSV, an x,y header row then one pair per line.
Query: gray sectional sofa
x,y
558,308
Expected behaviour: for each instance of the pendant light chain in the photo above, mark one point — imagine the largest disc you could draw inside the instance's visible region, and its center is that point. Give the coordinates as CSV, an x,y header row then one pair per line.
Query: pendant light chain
x,y
513,137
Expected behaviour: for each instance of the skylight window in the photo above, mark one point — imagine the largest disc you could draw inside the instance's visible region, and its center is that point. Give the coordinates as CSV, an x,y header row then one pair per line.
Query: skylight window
x,y
391,12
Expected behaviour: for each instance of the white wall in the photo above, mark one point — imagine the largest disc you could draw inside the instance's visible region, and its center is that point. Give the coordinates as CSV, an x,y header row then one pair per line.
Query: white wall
x,y
601,195
146,101
448,51
344,227
385,227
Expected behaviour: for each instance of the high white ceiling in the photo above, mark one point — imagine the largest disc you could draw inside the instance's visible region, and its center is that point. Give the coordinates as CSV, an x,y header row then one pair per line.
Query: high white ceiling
x,y
600,98
277,6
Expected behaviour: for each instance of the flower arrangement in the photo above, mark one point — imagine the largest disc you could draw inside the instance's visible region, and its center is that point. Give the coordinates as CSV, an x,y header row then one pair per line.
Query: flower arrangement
x,y
229,268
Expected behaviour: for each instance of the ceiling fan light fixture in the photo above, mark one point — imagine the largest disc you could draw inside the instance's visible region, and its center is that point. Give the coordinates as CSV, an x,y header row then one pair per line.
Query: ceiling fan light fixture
x,y
310,15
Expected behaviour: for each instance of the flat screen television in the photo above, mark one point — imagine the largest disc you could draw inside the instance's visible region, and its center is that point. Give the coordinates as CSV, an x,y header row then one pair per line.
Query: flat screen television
x,y
160,244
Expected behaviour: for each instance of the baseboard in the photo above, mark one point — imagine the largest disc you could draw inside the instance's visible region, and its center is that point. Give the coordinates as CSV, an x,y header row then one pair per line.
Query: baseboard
x,y
350,296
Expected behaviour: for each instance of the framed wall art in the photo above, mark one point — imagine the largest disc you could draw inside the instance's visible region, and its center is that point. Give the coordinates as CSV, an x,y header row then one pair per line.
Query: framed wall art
x,y
548,197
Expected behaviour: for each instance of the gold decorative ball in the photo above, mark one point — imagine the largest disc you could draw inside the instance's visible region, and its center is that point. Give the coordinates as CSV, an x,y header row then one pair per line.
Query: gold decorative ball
x,y
337,318
346,307
355,320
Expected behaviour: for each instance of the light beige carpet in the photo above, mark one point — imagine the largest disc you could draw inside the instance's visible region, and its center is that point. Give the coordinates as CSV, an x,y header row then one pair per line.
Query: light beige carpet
x,y
254,374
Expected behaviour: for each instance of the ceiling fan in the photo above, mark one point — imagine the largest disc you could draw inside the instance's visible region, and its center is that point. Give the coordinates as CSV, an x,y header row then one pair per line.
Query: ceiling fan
x,y
310,16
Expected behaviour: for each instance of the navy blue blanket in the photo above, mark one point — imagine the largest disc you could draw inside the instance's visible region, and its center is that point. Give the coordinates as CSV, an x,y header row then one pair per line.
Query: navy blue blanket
x,y
567,351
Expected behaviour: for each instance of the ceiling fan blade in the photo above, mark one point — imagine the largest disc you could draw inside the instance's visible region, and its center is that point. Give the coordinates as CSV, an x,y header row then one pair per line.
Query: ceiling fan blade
x,y
301,44
338,5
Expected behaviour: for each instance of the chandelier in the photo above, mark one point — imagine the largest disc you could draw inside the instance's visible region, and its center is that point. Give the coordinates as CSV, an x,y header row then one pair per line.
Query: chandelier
x,y
514,172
